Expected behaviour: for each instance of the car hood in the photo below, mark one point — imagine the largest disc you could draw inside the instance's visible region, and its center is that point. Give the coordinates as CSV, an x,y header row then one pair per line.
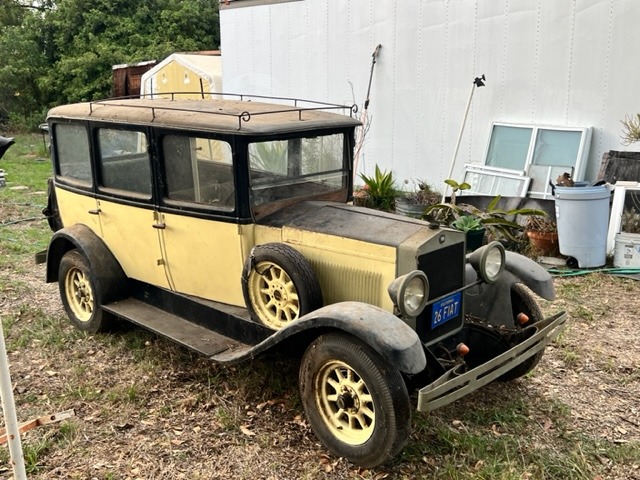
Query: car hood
x,y
347,221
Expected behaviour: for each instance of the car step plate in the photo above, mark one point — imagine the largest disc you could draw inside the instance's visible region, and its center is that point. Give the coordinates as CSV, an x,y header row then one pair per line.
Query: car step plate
x,y
176,328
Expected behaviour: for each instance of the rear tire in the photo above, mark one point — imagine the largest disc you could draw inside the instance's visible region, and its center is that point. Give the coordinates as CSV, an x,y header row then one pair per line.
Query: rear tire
x,y
80,295
356,402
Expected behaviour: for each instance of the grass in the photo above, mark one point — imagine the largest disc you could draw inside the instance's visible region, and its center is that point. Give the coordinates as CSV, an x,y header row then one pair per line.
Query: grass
x,y
132,392
27,168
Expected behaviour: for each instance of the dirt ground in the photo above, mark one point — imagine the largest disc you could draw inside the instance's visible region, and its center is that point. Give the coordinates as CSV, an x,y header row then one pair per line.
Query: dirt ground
x,y
147,409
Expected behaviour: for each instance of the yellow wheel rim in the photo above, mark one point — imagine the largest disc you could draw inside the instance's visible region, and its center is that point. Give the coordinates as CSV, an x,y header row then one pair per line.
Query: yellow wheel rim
x,y
273,295
79,294
345,403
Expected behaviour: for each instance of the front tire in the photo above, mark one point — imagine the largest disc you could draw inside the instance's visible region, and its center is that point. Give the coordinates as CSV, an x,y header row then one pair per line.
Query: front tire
x,y
80,295
356,402
523,302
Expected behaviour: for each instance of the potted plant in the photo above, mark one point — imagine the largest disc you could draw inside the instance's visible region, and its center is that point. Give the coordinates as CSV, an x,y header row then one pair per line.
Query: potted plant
x,y
500,224
414,203
380,190
473,228
543,234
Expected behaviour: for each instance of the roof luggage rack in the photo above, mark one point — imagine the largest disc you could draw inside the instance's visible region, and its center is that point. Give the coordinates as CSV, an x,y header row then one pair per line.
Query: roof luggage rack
x,y
244,116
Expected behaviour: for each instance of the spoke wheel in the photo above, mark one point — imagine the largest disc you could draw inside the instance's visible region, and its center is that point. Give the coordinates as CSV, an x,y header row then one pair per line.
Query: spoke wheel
x,y
356,402
273,295
345,403
523,302
80,293
279,285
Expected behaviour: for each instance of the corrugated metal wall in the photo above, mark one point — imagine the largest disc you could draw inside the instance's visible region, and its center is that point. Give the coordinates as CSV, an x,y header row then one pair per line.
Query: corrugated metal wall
x,y
550,62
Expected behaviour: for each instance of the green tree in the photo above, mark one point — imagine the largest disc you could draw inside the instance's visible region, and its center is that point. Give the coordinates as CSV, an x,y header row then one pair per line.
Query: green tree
x,y
92,35
62,51
22,99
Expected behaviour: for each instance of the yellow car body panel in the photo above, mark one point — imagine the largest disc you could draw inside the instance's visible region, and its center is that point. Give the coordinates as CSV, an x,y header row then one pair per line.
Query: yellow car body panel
x,y
75,207
347,269
197,265
129,233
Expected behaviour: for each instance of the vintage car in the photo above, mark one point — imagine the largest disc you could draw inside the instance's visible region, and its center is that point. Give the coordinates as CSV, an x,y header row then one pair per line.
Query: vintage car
x,y
226,226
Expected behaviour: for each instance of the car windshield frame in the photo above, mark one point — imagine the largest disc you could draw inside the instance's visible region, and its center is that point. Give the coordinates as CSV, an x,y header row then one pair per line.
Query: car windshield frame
x,y
303,166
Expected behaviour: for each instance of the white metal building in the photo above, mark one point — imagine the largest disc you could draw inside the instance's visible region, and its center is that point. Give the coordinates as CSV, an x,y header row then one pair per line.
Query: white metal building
x,y
559,63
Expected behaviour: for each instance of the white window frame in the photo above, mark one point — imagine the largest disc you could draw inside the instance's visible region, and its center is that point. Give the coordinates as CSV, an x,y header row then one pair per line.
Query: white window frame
x,y
577,169
496,173
617,207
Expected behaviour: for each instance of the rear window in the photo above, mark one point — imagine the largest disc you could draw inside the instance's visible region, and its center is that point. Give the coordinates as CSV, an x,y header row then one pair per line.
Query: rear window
x,y
72,153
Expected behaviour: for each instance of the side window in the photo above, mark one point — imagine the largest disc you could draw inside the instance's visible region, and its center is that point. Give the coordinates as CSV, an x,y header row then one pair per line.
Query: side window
x,y
72,149
124,161
198,170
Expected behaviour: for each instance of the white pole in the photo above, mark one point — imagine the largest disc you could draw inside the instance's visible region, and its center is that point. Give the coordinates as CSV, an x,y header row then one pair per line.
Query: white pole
x,y
477,82
9,410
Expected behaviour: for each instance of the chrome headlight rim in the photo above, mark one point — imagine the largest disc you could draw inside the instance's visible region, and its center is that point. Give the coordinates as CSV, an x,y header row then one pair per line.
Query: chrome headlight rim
x,y
403,296
480,261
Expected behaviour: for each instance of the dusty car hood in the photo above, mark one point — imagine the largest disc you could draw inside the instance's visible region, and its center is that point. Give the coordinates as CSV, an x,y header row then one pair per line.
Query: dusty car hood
x,y
346,221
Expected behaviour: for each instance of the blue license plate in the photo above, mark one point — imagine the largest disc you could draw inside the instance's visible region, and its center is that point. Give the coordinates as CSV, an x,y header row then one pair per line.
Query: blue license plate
x,y
446,309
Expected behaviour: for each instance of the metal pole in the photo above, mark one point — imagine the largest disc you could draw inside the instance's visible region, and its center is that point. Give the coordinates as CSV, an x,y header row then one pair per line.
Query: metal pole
x,y
477,82
9,410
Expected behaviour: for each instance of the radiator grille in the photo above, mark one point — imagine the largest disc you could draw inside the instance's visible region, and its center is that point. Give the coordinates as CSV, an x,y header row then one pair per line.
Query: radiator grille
x,y
340,283
445,270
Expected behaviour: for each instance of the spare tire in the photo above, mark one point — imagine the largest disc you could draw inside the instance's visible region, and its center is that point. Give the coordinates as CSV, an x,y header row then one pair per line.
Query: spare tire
x,y
279,285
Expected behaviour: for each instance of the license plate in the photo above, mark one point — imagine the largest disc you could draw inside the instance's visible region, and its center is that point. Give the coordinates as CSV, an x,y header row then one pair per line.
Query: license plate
x,y
446,309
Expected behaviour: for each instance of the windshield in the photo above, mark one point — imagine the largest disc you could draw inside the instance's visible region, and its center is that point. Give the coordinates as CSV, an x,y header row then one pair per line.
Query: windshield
x,y
298,167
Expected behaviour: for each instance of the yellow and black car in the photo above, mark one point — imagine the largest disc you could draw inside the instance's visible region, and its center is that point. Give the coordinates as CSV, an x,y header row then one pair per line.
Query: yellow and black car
x,y
226,225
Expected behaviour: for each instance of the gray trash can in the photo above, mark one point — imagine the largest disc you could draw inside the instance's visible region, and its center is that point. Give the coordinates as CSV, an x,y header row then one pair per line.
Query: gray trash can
x,y
582,214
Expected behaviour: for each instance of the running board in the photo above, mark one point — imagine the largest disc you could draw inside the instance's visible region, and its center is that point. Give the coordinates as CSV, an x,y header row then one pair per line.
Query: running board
x,y
184,332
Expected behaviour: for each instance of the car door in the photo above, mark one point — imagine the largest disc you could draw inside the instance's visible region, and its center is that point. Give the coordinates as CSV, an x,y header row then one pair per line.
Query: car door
x,y
205,247
131,225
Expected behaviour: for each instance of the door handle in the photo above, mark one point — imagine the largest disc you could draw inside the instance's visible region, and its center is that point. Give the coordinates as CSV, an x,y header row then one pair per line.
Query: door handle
x,y
95,212
159,226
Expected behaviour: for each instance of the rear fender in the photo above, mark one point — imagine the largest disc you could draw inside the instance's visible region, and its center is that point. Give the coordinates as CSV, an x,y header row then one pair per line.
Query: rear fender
x,y
388,335
104,266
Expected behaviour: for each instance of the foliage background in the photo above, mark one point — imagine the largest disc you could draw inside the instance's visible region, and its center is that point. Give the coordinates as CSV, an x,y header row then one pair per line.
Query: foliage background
x,y
61,51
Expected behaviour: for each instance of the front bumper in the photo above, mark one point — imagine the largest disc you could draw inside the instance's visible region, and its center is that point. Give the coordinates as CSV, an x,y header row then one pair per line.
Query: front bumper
x,y
455,383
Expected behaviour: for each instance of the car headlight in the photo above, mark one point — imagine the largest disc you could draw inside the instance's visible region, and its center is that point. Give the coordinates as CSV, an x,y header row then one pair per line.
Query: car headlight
x,y
488,261
410,293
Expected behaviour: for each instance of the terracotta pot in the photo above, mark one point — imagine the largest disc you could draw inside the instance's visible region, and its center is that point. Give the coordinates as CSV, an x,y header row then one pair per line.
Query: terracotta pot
x,y
545,243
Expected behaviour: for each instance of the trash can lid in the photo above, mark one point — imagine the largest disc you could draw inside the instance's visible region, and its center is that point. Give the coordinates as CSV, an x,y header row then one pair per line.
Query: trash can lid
x,y
582,193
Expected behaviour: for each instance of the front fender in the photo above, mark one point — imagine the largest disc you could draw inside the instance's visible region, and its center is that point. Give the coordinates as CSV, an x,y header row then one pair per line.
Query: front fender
x,y
531,274
388,335
521,269
493,302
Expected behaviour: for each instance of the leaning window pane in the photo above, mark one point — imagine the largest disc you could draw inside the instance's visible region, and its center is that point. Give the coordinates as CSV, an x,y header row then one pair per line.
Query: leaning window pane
x,y
508,147
72,147
556,147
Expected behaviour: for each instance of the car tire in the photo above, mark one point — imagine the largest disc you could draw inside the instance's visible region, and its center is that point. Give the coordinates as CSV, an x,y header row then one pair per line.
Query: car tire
x,y
356,402
279,285
80,294
523,302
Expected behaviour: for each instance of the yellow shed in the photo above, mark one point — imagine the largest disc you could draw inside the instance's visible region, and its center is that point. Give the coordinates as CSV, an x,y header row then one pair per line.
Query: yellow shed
x,y
196,73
